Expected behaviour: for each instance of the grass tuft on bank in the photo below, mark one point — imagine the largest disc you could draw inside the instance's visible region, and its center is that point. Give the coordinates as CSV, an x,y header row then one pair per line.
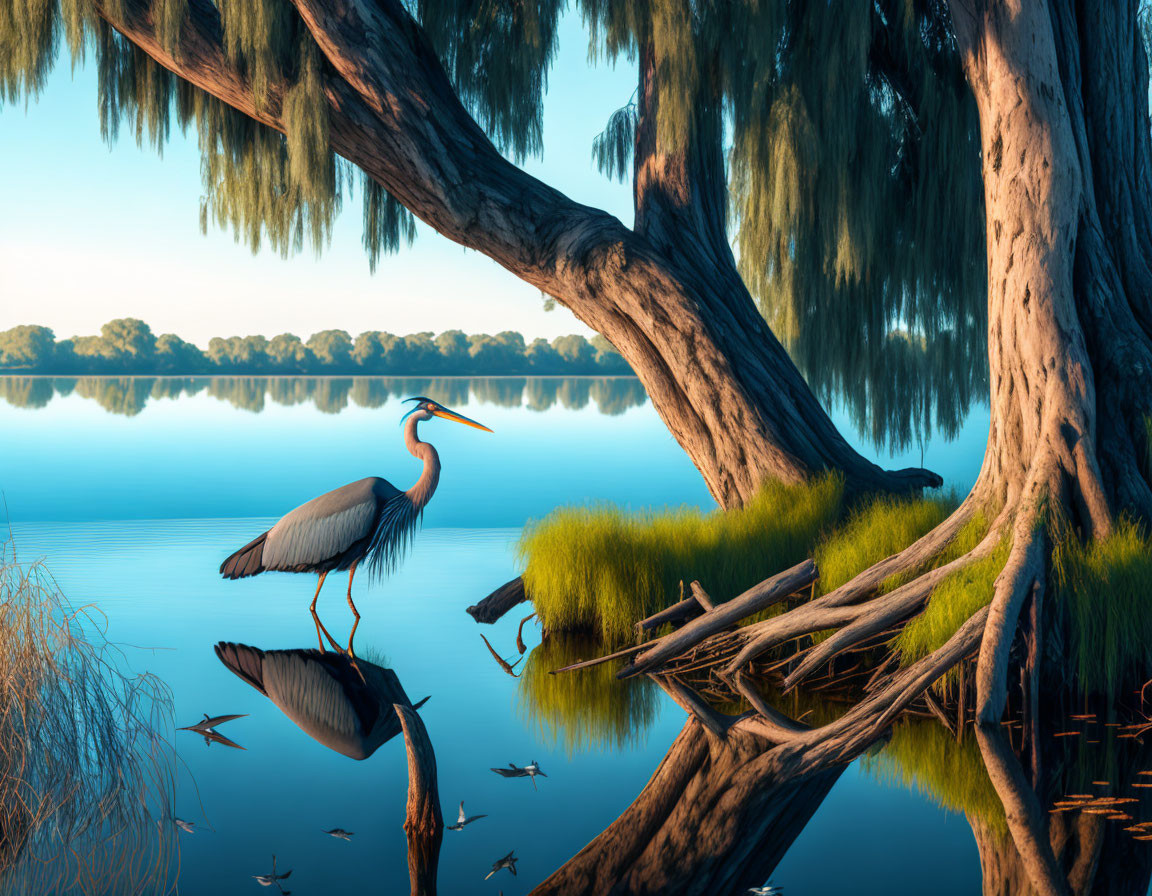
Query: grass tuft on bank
x,y
1106,587
601,569
953,601
877,529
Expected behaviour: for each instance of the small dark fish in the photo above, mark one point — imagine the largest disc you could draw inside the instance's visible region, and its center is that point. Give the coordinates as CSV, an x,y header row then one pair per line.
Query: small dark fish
x,y
340,833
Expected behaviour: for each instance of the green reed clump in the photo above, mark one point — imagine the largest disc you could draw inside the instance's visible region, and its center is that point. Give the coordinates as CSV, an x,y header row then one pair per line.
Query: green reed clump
x,y
601,569
953,601
1106,587
963,542
586,708
875,530
86,780
925,756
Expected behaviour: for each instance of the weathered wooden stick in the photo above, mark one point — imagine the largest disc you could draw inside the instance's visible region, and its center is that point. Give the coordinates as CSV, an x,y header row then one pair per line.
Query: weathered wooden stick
x,y
702,597
584,664
499,601
422,820
755,599
520,633
714,722
686,609
499,659
777,725
935,709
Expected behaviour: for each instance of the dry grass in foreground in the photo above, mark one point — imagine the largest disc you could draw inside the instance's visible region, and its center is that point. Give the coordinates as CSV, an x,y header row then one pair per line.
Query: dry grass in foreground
x,y
86,776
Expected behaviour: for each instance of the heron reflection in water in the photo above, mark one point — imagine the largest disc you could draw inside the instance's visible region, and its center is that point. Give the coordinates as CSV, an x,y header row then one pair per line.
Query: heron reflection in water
x,y
368,520
343,703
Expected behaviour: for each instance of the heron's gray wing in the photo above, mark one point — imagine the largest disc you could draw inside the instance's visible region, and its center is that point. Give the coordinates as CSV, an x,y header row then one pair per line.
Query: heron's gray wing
x,y
326,526
461,819
472,818
510,772
326,702
245,661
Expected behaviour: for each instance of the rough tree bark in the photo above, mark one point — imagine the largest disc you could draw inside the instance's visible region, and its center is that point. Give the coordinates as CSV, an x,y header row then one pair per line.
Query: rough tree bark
x,y
671,305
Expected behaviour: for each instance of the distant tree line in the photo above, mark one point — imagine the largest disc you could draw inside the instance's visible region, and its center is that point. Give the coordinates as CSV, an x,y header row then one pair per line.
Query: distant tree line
x,y
128,346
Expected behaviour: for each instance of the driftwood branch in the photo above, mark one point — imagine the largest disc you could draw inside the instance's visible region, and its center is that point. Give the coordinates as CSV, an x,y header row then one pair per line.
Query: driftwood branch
x,y
499,601
422,820
757,598
678,613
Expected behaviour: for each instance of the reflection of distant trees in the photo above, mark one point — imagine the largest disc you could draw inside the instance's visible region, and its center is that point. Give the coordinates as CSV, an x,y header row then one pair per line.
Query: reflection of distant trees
x,y
125,395
26,391
330,395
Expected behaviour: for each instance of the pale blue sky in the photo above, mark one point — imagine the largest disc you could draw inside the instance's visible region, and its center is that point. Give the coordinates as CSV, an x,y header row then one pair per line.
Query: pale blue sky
x,y
89,233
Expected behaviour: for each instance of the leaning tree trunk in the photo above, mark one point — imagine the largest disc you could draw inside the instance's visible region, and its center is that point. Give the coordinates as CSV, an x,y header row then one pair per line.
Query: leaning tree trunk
x,y
674,309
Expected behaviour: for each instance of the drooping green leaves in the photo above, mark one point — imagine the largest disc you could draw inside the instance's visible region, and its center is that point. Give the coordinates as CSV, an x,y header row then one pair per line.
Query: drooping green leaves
x,y
497,54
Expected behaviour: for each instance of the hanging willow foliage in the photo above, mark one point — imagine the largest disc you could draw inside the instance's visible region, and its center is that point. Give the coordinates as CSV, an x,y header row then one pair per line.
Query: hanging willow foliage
x,y
854,184
497,55
281,190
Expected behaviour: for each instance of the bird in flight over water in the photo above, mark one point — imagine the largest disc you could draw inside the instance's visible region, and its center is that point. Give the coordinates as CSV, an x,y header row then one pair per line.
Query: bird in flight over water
x,y
463,820
531,770
509,861
339,833
273,879
206,728
369,520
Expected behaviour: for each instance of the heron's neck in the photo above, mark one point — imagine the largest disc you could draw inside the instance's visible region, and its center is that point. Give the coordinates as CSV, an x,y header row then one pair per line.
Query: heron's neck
x,y
421,492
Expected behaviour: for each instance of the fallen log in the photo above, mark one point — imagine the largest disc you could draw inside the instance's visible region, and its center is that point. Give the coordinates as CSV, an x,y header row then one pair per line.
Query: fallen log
x,y
499,601
755,599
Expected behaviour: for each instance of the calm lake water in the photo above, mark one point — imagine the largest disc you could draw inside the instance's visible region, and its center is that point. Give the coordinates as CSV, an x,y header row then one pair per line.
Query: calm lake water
x,y
135,490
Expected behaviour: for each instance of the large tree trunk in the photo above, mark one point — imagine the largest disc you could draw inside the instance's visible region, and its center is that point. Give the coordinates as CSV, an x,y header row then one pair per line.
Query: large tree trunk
x,y
671,304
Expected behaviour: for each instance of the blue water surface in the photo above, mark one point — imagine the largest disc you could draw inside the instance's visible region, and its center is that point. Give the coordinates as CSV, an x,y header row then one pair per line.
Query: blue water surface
x,y
133,515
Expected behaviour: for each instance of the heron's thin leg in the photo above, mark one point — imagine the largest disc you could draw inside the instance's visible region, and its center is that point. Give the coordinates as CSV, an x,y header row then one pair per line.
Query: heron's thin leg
x,y
316,596
316,618
355,612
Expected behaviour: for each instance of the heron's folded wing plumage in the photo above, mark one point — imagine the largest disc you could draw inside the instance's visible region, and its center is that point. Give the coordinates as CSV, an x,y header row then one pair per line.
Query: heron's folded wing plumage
x,y
326,526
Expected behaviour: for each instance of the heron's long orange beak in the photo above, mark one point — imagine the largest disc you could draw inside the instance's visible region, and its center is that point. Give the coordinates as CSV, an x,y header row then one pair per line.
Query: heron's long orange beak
x,y
459,418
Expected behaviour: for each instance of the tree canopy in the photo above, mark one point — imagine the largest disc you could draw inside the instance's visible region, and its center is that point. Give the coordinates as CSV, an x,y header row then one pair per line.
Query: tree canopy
x,y
852,166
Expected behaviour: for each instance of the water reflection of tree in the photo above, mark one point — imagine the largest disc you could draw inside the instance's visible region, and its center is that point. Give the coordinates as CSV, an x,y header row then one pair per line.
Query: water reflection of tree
x,y
26,391
615,395
118,395
330,395
717,816
589,708
1071,781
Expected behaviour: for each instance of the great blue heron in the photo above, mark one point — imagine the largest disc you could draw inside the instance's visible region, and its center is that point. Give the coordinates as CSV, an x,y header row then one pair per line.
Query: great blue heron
x,y
369,519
